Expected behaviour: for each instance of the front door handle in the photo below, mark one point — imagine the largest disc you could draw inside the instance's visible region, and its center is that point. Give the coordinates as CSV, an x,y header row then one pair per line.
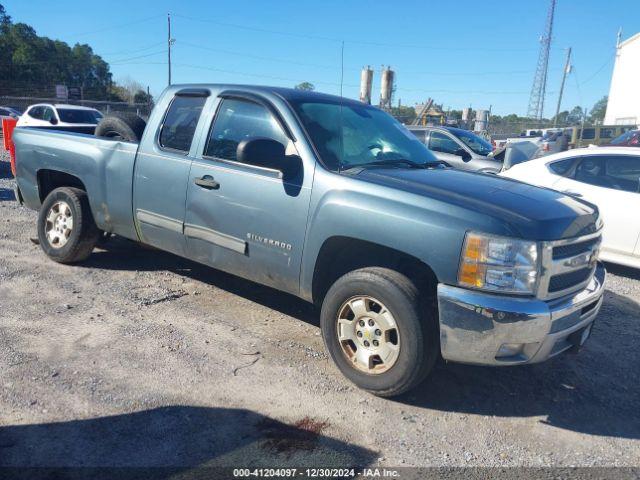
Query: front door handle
x,y
207,182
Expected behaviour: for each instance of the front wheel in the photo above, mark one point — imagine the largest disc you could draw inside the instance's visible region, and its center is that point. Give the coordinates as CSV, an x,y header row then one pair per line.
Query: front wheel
x,y
66,229
379,331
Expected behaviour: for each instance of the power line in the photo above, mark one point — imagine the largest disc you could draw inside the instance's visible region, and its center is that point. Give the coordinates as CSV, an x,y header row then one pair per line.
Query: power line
x,y
115,27
334,84
333,67
339,40
257,57
129,52
605,64
124,61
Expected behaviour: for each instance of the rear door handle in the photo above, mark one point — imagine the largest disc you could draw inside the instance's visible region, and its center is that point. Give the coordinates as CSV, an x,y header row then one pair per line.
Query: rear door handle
x,y
207,182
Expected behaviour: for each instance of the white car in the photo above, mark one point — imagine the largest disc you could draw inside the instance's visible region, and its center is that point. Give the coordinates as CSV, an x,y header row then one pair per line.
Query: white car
x,y
606,176
61,117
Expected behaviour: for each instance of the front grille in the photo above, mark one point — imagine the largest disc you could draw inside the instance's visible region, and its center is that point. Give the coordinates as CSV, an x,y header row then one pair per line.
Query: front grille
x,y
573,249
569,279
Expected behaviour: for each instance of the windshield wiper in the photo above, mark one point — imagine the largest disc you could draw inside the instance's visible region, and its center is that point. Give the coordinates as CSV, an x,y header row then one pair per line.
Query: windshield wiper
x,y
397,163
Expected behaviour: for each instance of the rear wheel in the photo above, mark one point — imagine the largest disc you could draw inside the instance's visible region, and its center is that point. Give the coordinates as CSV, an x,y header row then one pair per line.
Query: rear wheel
x,y
379,331
66,229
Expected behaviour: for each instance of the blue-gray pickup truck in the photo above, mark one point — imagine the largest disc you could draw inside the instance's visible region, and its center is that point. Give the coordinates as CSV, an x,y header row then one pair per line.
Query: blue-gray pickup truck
x,y
336,202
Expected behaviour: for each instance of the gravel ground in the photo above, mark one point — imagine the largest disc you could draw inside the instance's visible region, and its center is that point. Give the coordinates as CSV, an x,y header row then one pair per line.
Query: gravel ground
x,y
137,357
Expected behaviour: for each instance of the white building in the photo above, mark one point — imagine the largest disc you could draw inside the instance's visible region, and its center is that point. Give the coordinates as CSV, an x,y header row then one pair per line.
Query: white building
x,y
623,107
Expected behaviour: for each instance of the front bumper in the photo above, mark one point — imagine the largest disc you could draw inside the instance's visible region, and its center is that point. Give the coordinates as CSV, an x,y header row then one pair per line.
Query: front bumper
x,y
486,329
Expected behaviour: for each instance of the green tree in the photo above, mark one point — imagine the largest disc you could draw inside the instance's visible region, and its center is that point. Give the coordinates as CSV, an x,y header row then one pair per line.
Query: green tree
x,y
562,118
575,115
404,114
598,110
4,18
305,86
32,65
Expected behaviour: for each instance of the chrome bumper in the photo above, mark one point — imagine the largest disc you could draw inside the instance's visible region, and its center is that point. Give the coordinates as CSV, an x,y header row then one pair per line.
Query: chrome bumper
x,y
485,329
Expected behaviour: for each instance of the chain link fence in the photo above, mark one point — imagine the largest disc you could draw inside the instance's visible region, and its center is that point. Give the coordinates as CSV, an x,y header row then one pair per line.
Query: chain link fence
x,y
104,106
21,96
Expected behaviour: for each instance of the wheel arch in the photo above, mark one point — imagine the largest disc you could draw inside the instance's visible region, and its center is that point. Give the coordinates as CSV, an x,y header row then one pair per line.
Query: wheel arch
x,y
339,255
49,180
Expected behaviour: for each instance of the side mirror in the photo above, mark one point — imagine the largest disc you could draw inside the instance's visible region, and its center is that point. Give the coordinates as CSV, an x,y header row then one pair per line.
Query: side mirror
x,y
53,121
461,152
267,153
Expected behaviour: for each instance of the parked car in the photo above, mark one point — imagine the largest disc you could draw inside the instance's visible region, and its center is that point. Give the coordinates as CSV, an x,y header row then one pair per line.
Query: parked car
x,y
609,177
72,118
336,202
627,139
9,112
554,141
458,148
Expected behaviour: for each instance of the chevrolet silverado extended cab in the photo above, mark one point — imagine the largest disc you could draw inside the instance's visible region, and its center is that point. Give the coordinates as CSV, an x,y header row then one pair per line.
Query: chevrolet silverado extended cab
x,y
336,202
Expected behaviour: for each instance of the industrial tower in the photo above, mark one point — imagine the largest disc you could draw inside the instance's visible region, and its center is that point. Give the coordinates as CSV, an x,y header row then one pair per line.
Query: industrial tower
x,y
536,99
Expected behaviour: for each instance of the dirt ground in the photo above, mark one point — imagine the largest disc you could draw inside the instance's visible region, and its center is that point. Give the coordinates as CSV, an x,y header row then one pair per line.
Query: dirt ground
x,y
141,358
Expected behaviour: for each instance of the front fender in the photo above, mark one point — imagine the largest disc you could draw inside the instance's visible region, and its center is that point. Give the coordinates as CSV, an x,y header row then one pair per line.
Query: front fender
x,y
428,229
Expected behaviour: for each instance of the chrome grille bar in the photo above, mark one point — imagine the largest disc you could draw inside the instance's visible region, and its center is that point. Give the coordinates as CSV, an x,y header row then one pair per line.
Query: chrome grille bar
x,y
578,253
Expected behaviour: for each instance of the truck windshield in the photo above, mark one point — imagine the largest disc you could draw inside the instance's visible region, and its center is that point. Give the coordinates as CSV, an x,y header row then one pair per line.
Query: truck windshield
x,y
474,142
349,135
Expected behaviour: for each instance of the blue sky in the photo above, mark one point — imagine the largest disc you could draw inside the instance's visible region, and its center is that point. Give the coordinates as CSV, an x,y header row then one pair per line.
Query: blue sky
x,y
478,53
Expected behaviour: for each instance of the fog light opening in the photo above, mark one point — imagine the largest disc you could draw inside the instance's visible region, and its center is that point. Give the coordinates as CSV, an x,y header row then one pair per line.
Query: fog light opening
x,y
510,350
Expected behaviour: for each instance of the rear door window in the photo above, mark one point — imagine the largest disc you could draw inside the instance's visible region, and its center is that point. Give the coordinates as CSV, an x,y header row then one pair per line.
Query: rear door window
x,y
617,172
180,123
439,142
36,112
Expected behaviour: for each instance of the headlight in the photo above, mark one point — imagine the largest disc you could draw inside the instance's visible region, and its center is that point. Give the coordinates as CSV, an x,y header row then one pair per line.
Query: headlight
x,y
498,264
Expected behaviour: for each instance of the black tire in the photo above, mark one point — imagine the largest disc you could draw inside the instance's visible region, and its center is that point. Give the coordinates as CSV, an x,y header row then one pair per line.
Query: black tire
x,y
416,322
84,233
121,126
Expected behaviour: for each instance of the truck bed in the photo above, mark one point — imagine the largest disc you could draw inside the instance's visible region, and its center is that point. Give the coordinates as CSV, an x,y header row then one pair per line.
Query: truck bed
x,y
103,166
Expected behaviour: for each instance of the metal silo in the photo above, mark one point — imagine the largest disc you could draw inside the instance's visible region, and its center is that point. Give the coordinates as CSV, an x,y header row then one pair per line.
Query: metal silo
x,y
386,87
366,82
482,120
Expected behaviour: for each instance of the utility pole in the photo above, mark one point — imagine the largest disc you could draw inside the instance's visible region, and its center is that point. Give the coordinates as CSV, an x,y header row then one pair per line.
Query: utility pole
x,y
567,70
169,43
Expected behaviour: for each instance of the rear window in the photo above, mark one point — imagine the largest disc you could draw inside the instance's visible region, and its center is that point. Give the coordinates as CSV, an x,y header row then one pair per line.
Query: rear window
x,y
74,115
180,123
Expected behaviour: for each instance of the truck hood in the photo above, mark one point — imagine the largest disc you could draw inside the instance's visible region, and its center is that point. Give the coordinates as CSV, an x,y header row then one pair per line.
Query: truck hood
x,y
533,212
